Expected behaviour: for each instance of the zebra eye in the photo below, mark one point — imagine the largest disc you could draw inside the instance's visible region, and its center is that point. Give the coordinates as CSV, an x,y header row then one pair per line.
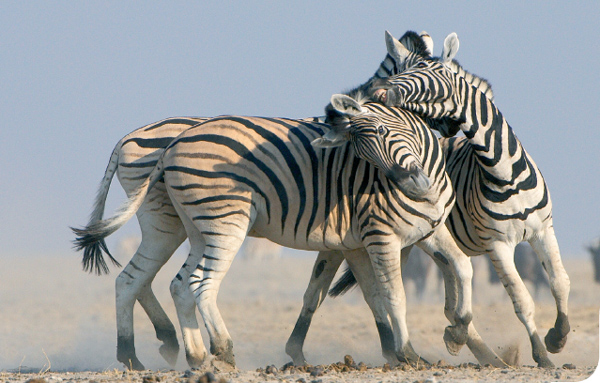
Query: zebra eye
x,y
380,130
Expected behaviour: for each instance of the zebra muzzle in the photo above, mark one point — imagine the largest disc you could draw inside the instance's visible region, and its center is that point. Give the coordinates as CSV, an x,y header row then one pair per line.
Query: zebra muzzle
x,y
413,182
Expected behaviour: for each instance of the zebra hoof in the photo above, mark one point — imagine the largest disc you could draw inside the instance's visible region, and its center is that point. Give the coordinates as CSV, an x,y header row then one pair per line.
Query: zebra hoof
x,y
454,340
557,336
554,342
133,364
195,361
169,352
545,363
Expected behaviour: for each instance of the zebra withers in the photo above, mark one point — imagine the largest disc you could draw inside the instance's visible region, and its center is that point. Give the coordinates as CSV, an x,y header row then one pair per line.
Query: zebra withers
x,y
222,190
505,198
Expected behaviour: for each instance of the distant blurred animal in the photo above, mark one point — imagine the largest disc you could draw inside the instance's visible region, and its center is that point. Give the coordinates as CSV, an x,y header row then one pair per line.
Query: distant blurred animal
x,y
529,268
594,250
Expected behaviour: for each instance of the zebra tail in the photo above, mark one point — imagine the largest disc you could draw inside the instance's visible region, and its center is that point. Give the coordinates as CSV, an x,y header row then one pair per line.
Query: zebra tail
x,y
343,284
90,239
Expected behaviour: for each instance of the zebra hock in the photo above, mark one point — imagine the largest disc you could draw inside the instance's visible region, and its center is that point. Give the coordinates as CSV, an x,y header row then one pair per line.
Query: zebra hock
x,y
219,200
506,199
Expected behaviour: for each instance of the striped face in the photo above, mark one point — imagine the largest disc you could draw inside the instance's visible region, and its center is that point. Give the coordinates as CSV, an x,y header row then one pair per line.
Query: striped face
x,y
429,84
386,141
385,137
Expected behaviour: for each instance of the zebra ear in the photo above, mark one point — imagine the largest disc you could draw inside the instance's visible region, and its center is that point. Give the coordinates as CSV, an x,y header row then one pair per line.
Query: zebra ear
x,y
346,105
428,42
395,48
450,47
331,139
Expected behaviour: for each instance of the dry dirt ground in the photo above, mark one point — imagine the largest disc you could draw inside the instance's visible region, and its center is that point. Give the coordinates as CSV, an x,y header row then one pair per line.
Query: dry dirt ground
x,y
58,324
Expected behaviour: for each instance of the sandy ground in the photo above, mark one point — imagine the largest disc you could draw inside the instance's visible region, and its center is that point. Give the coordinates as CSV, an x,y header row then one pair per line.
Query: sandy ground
x,y
58,324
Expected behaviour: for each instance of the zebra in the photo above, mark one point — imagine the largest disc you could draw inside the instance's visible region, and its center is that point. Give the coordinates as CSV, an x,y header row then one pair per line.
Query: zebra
x,y
594,250
132,159
400,57
378,185
504,200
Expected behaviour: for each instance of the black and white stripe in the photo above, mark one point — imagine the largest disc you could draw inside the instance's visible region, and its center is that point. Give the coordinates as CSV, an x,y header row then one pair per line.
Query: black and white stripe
x,y
232,175
502,196
132,159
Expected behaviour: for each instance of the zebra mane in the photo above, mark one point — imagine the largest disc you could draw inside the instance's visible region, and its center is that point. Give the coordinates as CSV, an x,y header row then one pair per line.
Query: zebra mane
x,y
414,43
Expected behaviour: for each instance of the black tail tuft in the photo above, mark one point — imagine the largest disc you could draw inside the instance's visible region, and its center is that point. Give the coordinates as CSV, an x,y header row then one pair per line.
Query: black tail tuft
x,y
93,247
344,284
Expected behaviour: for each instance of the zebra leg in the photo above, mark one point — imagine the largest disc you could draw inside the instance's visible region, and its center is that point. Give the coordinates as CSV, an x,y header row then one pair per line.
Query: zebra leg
x,y
195,351
502,258
475,343
387,284
326,265
441,246
222,241
134,282
546,247
362,269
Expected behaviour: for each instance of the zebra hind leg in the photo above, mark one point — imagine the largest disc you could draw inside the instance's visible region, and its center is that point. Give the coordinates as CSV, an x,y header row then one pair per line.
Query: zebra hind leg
x,y
134,282
458,309
545,246
222,242
195,351
326,265
503,260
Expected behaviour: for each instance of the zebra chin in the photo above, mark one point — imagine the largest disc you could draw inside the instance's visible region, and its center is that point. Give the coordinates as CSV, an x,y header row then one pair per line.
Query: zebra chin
x,y
413,183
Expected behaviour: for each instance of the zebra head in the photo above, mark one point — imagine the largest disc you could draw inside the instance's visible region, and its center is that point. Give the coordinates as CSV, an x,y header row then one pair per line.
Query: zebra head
x,y
429,88
382,137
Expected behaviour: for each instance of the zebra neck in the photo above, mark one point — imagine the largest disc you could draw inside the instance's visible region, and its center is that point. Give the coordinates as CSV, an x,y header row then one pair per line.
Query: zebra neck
x,y
495,145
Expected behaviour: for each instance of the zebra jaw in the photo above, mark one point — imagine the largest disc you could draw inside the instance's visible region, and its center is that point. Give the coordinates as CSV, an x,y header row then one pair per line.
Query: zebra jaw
x,y
386,94
413,182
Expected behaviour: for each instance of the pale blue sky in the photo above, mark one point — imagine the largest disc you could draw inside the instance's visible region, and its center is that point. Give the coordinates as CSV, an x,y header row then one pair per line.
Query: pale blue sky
x,y
77,76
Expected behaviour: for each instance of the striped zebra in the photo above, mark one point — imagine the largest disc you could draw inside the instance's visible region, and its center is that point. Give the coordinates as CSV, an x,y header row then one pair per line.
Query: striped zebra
x,y
402,54
504,198
132,160
379,185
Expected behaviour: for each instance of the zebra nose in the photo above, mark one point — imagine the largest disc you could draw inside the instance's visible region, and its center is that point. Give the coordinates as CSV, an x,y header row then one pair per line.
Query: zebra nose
x,y
413,182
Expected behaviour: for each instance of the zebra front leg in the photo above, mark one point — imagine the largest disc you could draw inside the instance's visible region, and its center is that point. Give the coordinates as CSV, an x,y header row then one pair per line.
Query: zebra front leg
x,y
475,343
502,258
441,246
165,331
546,248
326,265
362,269
387,277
